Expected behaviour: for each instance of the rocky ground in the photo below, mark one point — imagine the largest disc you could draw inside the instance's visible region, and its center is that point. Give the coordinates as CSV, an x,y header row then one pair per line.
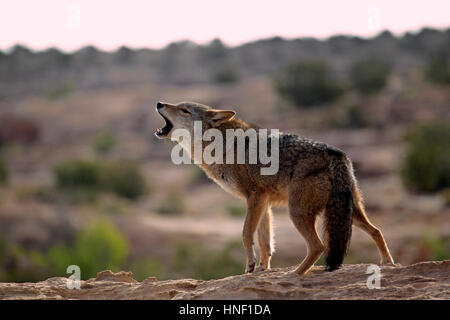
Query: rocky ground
x,y
425,280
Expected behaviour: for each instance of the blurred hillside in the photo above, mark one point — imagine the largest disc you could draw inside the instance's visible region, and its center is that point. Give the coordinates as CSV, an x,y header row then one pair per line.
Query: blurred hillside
x,y
184,63
83,180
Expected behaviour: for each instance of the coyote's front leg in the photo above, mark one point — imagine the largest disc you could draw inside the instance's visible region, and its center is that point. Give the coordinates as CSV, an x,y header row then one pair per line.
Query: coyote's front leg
x,y
256,206
265,239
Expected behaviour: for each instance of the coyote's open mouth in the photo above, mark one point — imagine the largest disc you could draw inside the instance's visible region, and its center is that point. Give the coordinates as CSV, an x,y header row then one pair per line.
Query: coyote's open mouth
x,y
161,132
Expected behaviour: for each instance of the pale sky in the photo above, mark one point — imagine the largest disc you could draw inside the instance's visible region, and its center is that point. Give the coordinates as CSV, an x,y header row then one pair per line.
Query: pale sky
x,y
109,24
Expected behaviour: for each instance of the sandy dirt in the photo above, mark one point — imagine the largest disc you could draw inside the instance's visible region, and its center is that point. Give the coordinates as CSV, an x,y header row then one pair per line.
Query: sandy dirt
x,y
425,280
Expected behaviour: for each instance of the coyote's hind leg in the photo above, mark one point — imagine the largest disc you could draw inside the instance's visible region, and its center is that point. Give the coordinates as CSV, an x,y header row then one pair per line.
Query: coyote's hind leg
x,y
306,200
306,225
361,221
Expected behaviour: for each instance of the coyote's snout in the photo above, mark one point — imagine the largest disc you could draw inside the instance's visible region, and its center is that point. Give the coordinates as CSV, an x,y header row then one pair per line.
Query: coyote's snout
x,y
312,178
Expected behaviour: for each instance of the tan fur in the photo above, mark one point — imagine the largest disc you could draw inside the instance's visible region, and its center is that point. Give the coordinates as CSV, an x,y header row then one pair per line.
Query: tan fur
x,y
361,220
303,182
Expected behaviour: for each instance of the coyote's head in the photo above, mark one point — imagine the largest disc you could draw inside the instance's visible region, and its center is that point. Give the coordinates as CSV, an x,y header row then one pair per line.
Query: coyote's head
x,y
183,115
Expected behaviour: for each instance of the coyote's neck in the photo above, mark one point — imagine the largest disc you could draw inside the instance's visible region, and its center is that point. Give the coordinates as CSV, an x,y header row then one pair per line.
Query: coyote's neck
x,y
195,148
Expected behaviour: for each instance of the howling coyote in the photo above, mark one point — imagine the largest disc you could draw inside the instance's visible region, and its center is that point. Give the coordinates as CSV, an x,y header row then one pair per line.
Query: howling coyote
x,y
312,178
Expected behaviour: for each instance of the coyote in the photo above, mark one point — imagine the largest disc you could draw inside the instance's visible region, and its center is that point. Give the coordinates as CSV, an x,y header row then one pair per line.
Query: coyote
x,y
312,178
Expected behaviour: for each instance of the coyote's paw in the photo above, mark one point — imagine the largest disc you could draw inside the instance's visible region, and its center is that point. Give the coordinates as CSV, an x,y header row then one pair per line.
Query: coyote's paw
x,y
250,267
390,264
260,268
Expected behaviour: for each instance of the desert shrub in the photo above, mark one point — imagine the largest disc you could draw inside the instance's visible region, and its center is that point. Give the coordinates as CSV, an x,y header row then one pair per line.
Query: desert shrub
x,y
3,256
446,196
50,194
111,206
219,265
16,264
196,261
77,196
60,92
308,83
32,192
144,268
104,142
225,75
436,246
88,177
124,178
172,204
100,247
352,117
3,172
369,75
78,174
437,69
426,166
237,211
355,118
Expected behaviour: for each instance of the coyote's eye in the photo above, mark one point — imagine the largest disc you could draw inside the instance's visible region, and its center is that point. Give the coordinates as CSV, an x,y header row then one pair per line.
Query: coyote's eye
x,y
185,111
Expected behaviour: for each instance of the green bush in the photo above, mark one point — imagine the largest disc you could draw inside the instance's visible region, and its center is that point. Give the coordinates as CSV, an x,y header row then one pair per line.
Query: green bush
x,y
60,92
77,196
427,163
50,194
144,268
172,204
16,264
446,196
226,75
193,260
308,83
369,75
125,179
104,142
352,117
437,69
3,172
35,192
437,246
100,247
78,174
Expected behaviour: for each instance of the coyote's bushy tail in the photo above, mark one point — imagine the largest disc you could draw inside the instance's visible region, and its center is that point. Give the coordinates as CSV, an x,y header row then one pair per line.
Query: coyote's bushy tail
x,y
339,211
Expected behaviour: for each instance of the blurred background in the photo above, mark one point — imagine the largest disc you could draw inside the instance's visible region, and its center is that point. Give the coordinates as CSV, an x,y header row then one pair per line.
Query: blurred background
x,y
83,181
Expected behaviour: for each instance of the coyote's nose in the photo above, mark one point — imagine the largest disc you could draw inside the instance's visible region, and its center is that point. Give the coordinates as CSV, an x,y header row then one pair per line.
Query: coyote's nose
x,y
159,105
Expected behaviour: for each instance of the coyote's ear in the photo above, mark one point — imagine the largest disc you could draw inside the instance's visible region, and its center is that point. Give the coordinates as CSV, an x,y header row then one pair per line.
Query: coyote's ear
x,y
217,117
